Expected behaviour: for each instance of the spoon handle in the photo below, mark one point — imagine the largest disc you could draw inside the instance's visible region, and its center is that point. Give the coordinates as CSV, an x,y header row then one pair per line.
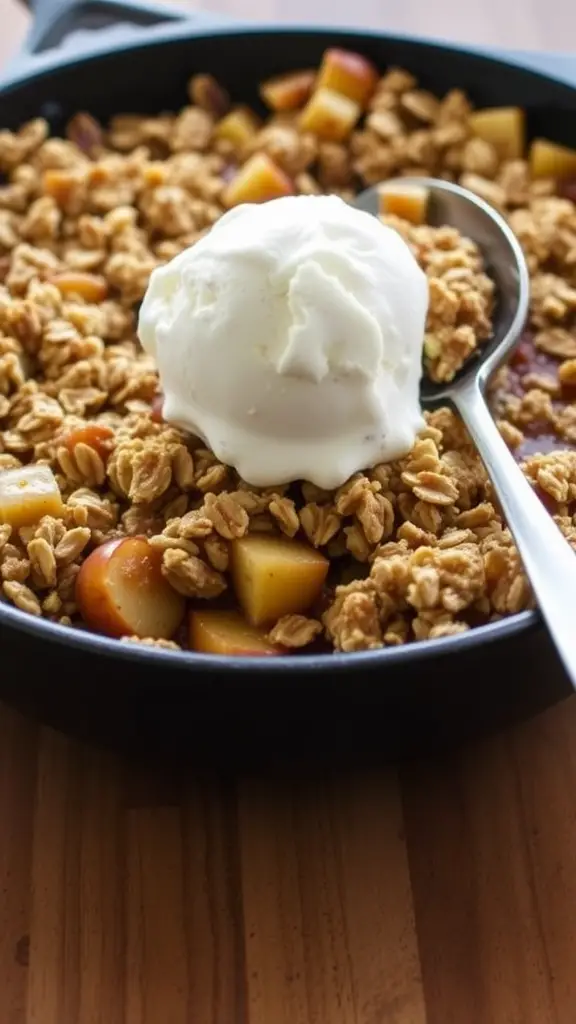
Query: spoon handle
x,y
548,560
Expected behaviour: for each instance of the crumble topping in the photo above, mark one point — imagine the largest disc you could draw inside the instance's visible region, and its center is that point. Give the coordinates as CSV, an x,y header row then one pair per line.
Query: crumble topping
x,y
418,548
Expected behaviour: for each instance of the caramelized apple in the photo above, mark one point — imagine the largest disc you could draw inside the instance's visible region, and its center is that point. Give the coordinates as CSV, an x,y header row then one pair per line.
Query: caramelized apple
x,y
95,435
329,115
503,127
348,73
410,202
121,591
289,91
273,576
63,186
227,633
238,127
550,160
27,494
157,409
258,180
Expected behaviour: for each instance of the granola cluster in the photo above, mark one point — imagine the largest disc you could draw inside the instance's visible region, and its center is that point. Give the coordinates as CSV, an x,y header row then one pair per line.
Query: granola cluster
x,y
461,296
418,548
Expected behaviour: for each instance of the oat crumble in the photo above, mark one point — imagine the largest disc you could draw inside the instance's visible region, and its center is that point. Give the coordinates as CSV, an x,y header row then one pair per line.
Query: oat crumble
x,y
417,547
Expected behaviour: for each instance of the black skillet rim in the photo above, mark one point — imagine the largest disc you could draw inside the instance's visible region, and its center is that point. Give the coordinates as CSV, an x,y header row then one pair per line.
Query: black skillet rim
x,y
38,67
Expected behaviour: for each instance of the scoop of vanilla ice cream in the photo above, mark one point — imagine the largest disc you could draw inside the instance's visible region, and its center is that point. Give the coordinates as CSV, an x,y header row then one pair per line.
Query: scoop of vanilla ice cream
x,y
289,338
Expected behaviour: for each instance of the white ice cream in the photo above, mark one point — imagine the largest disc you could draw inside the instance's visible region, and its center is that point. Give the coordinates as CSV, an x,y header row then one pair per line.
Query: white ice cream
x,y
290,339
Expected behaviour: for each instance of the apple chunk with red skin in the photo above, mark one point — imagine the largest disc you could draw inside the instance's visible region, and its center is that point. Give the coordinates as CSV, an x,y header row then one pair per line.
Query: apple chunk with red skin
x,y
289,91
348,73
157,409
273,577
227,633
120,591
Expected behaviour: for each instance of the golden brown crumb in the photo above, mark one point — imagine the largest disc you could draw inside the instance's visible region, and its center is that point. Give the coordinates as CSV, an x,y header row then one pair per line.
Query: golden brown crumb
x,y
284,512
352,622
554,473
461,296
320,523
191,576
226,514
22,597
293,631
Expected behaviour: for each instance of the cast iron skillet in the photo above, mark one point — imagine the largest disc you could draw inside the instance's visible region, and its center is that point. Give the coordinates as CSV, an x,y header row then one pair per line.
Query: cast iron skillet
x,y
136,57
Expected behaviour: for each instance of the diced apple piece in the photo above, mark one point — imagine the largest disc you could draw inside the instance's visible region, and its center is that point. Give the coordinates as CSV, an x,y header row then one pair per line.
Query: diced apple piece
x,y
157,409
503,127
410,202
238,127
329,115
61,185
288,92
258,180
550,160
348,73
90,287
432,346
95,435
121,591
221,632
27,494
273,576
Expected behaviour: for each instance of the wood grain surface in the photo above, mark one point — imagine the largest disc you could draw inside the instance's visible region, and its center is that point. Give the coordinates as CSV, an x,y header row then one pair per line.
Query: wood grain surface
x,y
438,892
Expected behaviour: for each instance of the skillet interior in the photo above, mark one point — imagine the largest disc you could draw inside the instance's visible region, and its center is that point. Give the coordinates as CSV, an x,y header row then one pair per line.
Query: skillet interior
x,y
150,77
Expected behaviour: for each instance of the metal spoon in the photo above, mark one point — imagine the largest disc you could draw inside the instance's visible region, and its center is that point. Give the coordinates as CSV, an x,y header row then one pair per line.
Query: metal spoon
x,y
548,560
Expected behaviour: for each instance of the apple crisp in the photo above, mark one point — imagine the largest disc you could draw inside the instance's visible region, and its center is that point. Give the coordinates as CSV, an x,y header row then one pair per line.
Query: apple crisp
x,y
101,500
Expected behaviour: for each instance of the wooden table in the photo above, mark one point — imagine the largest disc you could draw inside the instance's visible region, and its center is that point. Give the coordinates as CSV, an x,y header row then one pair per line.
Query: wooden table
x,y
440,892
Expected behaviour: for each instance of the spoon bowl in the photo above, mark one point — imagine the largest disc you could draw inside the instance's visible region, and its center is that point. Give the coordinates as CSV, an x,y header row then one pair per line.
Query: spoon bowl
x,y
548,560
505,264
